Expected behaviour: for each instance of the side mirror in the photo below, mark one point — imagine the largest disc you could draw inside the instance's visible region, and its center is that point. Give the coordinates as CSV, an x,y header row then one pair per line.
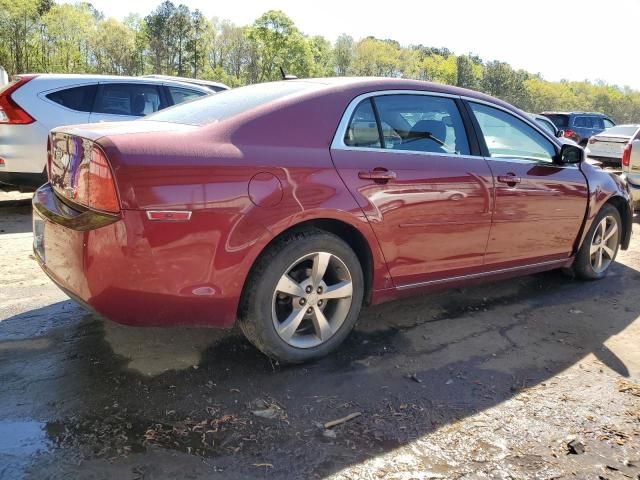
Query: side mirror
x,y
560,133
570,154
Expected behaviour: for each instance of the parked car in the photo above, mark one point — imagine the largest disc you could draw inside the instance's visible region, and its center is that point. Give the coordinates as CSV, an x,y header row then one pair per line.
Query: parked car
x,y
547,124
631,167
579,126
282,205
607,147
215,86
31,105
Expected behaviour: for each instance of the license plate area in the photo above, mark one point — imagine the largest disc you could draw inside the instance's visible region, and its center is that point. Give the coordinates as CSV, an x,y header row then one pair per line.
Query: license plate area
x,y
38,236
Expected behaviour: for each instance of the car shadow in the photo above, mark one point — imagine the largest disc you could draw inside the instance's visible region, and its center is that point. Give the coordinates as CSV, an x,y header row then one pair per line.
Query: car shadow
x,y
13,213
122,394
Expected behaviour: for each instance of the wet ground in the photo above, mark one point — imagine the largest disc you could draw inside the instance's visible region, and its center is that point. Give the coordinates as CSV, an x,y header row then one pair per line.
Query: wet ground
x,y
492,381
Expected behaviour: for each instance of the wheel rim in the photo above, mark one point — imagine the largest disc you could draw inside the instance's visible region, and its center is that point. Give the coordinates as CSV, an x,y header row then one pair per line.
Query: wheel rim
x,y
312,300
604,244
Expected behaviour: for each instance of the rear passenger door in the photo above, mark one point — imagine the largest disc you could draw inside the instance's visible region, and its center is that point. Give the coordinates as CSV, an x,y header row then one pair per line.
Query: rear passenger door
x,y
539,204
407,159
116,102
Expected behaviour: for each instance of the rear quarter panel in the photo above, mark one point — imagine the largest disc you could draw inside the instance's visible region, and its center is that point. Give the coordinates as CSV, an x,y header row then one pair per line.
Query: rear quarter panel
x,y
245,182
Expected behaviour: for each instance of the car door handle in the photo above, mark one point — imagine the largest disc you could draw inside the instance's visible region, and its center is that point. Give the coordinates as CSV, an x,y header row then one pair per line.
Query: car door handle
x,y
378,175
510,179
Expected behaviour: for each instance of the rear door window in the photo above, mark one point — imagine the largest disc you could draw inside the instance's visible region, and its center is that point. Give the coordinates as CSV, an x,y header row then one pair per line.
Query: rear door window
x,y
130,99
597,123
180,94
414,123
582,122
79,99
421,123
363,129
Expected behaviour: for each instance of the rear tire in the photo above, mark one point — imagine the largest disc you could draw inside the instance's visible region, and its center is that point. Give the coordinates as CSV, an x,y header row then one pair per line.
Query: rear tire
x,y
303,296
600,245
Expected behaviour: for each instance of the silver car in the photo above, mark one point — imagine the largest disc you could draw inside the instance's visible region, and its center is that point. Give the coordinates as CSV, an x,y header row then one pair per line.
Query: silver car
x,y
32,105
608,146
631,167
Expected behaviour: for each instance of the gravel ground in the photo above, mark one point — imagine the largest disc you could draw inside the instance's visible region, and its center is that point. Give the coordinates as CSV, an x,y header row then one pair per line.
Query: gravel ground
x,y
533,378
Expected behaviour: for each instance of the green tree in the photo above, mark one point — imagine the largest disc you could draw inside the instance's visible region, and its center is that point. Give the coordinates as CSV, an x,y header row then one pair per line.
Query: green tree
x,y
500,80
69,29
114,48
278,44
375,57
322,53
343,54
156,28
466,73
19,19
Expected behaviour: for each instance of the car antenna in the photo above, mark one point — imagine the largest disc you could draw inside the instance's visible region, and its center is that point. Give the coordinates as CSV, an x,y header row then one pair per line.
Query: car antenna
x,y
286,76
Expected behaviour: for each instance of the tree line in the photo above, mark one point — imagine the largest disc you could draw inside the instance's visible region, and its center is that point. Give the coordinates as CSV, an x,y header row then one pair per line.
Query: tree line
x,y
43,36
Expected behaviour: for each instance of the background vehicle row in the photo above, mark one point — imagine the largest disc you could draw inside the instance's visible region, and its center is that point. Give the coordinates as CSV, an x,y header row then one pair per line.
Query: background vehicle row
x,y
32,105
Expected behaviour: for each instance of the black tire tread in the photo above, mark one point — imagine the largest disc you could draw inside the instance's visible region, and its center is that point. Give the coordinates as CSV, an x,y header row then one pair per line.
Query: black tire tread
x,y
252,329
582,264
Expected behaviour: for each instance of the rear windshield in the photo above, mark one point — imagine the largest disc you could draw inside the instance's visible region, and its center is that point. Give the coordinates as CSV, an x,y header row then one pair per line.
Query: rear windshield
x,y
226,104
622,130
560,121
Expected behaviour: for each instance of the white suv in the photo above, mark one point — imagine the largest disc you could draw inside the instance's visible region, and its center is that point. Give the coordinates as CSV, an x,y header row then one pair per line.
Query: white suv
x,y
31,105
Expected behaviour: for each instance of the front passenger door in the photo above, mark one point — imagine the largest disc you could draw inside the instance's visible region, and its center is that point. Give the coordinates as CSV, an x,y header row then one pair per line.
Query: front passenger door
x,y
539,204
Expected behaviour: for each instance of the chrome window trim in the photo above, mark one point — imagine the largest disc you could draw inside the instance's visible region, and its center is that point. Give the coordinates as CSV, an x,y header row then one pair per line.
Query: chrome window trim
x,y
338,139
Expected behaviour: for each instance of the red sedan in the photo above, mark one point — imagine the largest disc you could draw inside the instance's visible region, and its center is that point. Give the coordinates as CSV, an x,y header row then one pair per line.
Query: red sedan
x,y
289,205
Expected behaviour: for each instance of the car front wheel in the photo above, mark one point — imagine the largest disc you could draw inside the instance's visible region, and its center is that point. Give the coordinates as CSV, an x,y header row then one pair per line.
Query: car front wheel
x,y
600,246
303,296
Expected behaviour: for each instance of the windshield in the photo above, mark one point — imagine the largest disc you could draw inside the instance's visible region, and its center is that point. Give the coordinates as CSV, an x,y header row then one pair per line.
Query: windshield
x,y
226,104
622,130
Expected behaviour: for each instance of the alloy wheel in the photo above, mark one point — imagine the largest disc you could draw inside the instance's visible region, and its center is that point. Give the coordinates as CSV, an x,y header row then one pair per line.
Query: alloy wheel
x,y
604,244
312,300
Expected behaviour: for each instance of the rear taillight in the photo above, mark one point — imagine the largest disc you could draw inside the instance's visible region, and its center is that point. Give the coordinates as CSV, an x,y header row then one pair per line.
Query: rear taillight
x,y
10,112
2,162
95,187
79,171
626,156
569,133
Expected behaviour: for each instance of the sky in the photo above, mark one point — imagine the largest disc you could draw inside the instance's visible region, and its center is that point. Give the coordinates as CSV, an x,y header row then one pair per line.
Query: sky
x,y
573,40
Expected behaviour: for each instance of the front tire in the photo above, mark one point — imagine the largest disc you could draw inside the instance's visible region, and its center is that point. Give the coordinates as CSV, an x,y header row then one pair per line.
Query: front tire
x,y
302,297
600,246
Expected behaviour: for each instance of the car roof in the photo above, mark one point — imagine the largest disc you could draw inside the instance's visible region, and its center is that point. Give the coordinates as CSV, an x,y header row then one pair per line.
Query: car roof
x,y
595,114
196,81
372,84
114,78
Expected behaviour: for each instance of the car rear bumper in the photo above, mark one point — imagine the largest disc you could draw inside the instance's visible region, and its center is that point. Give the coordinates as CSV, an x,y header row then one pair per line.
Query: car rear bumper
x,y
113,267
